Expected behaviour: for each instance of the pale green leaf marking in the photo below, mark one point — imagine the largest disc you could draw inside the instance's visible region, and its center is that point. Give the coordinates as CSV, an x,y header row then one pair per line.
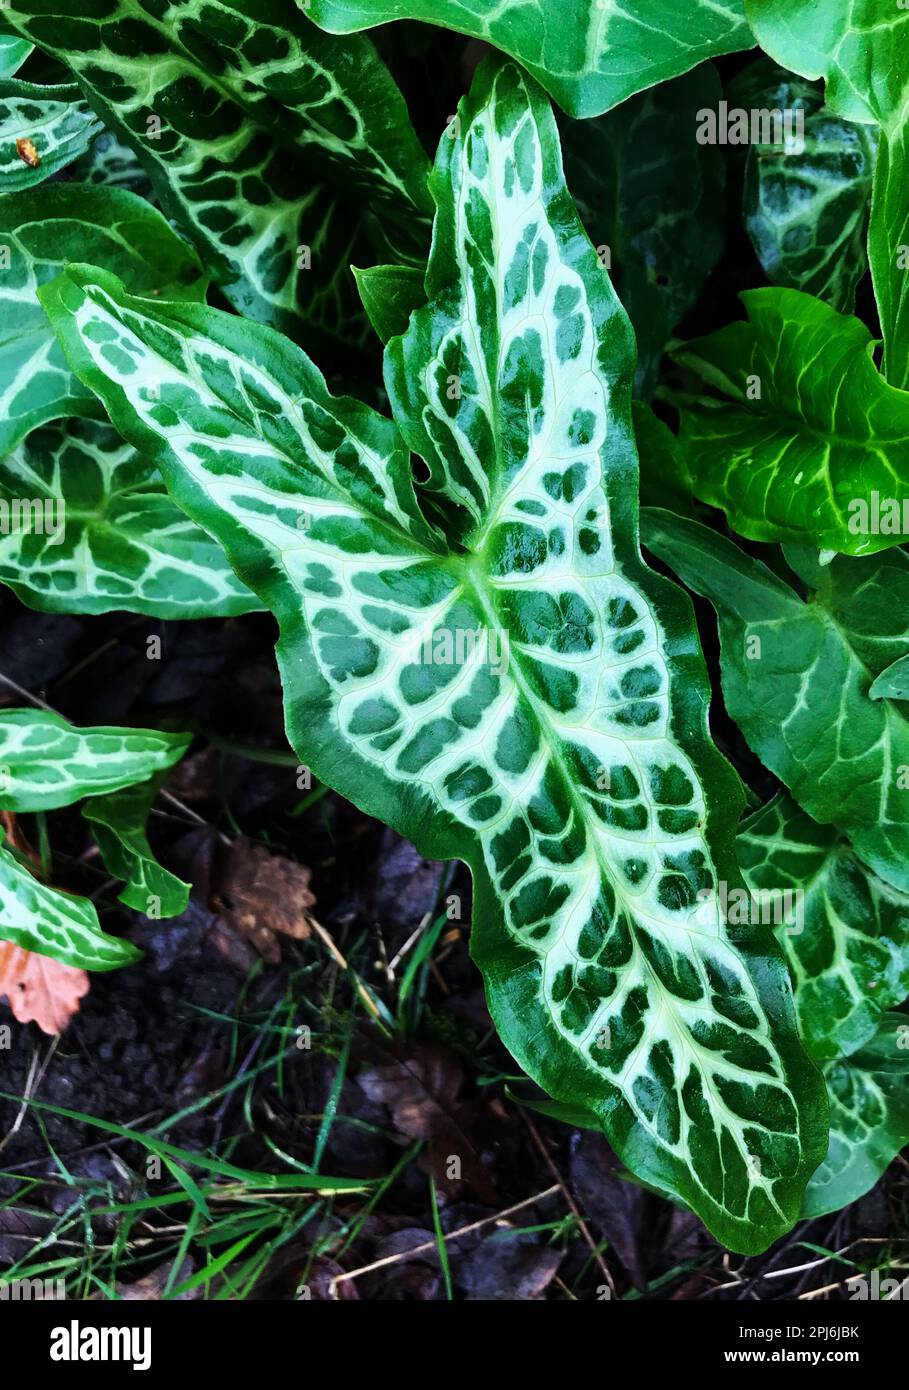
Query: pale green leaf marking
x,y
869,1117
847,933
282,152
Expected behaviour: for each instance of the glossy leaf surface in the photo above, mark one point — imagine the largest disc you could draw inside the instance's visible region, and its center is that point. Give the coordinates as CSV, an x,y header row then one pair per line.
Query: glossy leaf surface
x,y
521,692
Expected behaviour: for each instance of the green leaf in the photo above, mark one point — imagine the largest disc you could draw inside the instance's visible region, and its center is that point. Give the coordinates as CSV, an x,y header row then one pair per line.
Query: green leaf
x,y
46,762
655,198
118,823
87,526
55,924
664,472
280,151
797,676
39,231
806,209
859,47
108,161
390,293
869,1117
888,249
524,695
893,683
13,53
57,122
805,431
588,54
844,931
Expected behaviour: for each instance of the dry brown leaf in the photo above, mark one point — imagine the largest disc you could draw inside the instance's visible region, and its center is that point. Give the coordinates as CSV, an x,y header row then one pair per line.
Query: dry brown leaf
x,y
40,990
264,896
151,1286
28,153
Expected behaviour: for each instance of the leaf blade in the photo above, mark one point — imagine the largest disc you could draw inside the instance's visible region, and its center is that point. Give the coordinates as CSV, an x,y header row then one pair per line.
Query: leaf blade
x,y
512,790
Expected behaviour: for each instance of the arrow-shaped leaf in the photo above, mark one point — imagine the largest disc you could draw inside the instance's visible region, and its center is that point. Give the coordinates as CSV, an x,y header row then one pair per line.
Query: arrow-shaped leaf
x,y
525,694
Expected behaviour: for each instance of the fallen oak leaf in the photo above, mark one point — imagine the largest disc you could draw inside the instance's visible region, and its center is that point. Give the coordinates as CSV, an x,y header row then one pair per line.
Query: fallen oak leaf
x,y
263,896
421,1089
40,990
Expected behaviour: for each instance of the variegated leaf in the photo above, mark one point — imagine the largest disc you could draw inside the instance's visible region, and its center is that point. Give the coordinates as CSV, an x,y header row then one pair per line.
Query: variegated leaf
x,y
654,202
43,919
281,151
118,823
844,930
42,129
39,231
797,677
806,206
111,163
87,526
869,1117
45,762
588,54
859,47
13,53
525,694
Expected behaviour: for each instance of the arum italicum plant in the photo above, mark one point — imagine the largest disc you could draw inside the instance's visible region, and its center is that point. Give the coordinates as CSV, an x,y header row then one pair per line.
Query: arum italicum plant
x,y
473,650
579,782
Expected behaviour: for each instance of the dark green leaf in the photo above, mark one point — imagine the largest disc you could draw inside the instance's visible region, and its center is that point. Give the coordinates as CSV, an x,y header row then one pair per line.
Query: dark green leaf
x,y
390,293
588,54
653,200
797,677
